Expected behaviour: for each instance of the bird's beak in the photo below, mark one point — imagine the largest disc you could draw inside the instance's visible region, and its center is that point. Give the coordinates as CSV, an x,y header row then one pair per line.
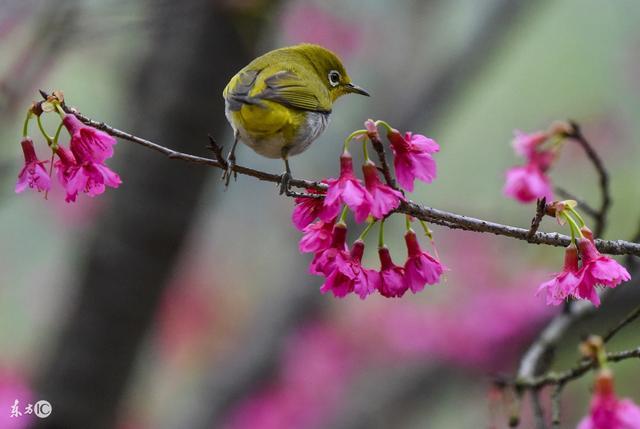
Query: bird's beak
x,y
355,89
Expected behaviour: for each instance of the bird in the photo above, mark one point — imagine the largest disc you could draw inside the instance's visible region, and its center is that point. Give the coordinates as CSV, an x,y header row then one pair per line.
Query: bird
x,y
281,102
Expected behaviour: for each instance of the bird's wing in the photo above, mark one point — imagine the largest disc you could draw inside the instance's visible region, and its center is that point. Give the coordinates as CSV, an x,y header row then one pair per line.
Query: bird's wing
x,y
284,87
238,90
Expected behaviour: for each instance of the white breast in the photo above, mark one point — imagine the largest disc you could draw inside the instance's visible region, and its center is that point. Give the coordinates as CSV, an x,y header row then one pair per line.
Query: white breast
x,y
271,147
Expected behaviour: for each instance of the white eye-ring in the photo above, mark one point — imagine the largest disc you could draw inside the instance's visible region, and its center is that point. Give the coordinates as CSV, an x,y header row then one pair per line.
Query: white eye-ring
x,y
334,77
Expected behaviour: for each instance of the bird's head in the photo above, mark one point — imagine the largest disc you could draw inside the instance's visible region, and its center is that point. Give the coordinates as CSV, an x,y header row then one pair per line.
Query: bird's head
x,y
330,70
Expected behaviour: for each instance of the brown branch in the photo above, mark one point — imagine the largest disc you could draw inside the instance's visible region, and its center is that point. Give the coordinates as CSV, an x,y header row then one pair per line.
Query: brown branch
x,y
603,177
429,214
528,373
384,165
555,406
559,378
538,411
541,206
633,315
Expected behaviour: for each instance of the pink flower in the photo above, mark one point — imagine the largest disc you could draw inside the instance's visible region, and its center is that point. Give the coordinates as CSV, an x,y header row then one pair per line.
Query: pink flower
x,y
391,281
316,237
565,283
597,269
384,199
346,189
87,143
33,174
325,260
372,129
607,411
412,158
526,144
81,175
420,268
306,210
348,275
527,183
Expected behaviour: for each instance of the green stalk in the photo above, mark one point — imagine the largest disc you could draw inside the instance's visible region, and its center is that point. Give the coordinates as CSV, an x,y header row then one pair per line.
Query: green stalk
x,y
42,130
25,126
427,231
575,229
59,109
343,215
351,137
366,230
365,150
56,136
384,124
577,215
381,234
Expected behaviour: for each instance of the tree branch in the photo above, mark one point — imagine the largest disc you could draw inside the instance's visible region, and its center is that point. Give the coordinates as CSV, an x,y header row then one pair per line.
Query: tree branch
x,y
429,214
538,411
541,206
559,378
603,177
633,315
384,165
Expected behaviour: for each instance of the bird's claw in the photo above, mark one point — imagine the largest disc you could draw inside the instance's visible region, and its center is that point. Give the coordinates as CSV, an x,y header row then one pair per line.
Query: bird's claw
x,y
284,183
229,171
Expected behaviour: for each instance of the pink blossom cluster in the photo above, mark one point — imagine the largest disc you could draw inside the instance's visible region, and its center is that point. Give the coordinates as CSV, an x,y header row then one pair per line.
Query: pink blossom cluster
x,y
325,233
580,281
607,410
79,168
529,182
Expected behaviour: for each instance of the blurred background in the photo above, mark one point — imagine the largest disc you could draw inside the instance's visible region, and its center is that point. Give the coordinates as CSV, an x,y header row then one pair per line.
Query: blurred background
x,y
169,303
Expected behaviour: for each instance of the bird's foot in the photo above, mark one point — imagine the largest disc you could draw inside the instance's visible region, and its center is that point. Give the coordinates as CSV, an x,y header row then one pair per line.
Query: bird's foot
x,y
229,171
285,188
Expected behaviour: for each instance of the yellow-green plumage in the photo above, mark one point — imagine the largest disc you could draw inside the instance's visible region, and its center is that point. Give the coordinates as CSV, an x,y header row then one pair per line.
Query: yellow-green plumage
x,y
281,101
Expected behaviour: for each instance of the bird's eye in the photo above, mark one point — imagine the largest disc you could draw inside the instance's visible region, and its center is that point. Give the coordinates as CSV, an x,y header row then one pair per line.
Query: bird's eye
x,y
334,78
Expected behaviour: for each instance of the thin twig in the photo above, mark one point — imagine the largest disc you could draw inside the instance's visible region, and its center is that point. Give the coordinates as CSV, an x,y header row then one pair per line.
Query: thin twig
x,y
538,411
603,177
557,378
384,165
429,214
541,206
217,151
555,406
633,315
